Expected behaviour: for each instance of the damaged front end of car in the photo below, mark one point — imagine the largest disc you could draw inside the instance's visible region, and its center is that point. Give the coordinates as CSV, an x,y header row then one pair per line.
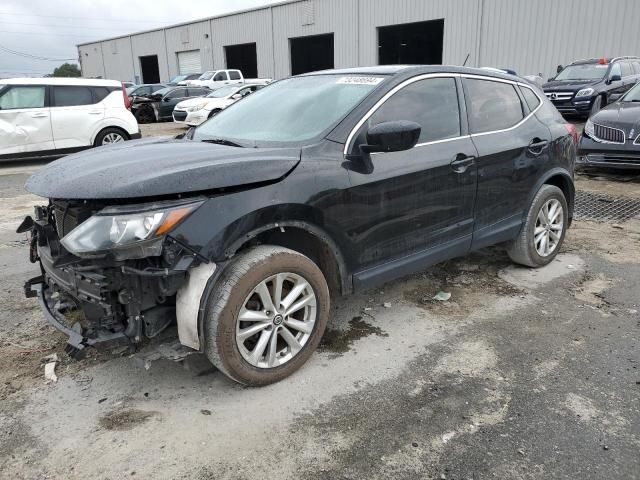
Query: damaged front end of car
x,y
109,273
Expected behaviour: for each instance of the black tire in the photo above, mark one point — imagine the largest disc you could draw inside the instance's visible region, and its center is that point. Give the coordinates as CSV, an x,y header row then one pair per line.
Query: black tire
x,y
213,113
597,105
145,115
228,296
107,133
523,249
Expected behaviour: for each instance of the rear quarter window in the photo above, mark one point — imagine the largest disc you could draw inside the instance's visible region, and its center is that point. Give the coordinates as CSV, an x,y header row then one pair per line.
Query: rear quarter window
x,y
234,75
530,97
492,105
70,96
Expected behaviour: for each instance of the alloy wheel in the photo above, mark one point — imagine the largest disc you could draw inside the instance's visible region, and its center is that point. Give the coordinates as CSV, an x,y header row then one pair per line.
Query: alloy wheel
x,y
276,320
111,138
549,227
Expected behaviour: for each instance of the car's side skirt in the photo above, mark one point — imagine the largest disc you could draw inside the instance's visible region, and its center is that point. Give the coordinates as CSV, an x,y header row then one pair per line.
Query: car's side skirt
x,y
416,262
502,231
41,154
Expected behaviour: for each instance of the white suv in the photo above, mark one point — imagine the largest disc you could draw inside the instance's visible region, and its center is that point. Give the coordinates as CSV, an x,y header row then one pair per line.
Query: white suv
x,y
55,116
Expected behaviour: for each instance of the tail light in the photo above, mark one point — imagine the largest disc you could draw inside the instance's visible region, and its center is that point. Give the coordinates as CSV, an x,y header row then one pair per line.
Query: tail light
x,y
127,102
573,131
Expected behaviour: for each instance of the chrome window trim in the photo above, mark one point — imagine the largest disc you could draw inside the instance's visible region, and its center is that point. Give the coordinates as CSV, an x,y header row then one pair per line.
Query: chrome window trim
x,y
637,140
426,76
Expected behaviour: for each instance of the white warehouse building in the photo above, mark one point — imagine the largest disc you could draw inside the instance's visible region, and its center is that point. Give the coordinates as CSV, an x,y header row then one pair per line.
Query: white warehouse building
x,y
297,36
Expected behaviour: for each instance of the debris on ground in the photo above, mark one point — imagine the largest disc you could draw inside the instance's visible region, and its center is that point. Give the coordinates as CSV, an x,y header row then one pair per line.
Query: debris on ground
x,y
50,372
386,305
205,412
442,297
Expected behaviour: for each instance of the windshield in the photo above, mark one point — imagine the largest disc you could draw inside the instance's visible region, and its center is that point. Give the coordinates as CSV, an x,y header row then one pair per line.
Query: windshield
x,y
589,71
206,76
223,92
290,111
632,95
178,78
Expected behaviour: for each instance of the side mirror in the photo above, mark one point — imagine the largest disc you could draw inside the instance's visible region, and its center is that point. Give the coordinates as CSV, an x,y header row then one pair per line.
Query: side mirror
x,y
615,78
237,96
166,99
550,79
396,136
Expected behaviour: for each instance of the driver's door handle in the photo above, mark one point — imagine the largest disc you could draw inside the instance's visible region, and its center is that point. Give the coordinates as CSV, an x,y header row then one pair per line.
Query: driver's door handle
x,y
462,162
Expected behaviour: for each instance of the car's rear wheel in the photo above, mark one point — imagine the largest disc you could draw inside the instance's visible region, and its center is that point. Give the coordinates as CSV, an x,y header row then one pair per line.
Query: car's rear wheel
x,y
266,315
110,136
544,230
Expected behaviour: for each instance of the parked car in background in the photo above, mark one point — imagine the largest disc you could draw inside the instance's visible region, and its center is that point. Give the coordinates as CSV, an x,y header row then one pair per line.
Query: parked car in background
x,y
57,116
320,184
159,105
611,137
145,89
195,111
128,84
585,86
219,78
182,79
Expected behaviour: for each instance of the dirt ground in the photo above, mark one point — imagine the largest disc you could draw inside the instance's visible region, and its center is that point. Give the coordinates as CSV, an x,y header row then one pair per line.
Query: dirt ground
x,y
525,374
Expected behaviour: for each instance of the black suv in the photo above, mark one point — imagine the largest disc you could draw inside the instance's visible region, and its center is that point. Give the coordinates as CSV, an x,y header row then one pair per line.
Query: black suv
x,y
330,182
584,87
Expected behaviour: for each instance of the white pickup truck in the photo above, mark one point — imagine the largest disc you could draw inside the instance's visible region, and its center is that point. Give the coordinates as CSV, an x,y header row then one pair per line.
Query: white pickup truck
x,y
219,78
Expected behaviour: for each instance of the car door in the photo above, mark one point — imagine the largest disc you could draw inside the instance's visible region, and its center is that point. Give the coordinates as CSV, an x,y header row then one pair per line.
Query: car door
x,y
75,116
170,100
220,79
513,148
413,202
616,86
25,121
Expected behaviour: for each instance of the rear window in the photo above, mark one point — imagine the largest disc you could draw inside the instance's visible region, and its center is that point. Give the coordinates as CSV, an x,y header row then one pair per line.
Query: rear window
x,y
22,97
530,97
492,105
68,96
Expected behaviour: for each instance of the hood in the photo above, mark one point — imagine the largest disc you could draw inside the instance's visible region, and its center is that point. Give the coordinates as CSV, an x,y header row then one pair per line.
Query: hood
x,y
159,167
622,115
568,85
191,102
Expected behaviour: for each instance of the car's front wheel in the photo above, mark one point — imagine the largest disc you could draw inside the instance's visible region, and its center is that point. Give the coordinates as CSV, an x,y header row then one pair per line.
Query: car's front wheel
x,y
266,315
544,230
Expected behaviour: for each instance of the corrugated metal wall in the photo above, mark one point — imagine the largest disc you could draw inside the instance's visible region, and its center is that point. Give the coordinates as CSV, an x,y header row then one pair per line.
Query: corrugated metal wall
x,y
535,36
250,27
194,36
460,25
530,36
315,17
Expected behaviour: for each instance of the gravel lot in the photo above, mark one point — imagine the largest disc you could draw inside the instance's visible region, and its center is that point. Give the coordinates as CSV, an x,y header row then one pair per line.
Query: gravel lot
x,y
522,374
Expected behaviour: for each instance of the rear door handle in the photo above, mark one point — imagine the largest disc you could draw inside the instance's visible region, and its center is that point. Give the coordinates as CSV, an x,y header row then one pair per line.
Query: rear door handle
x,y
537,146
39,115
461,163
95,112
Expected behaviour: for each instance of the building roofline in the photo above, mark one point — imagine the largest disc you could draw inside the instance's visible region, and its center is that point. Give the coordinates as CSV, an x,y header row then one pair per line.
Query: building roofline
x,y
198,20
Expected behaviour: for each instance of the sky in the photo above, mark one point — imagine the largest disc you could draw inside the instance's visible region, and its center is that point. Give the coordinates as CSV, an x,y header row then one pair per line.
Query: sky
x,y
51,29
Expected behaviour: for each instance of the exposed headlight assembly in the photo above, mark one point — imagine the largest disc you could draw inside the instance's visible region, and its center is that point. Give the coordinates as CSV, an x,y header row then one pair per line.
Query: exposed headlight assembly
x,y
585,92
127,232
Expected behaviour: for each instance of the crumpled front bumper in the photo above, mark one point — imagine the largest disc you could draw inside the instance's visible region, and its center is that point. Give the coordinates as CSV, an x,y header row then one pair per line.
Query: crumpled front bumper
x,y
76,344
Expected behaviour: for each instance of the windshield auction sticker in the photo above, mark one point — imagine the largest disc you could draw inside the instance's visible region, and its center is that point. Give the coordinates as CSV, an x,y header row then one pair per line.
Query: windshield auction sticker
x,y
360,80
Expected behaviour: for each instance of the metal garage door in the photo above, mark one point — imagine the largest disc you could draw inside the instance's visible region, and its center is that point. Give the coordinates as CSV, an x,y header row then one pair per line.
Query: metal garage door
x,y
189,62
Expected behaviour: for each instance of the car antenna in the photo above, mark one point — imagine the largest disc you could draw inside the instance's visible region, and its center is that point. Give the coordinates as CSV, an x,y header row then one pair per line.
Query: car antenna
x,y
466,60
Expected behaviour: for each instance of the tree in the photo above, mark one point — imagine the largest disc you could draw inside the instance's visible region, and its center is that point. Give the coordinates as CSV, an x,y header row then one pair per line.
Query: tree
x,y
66,70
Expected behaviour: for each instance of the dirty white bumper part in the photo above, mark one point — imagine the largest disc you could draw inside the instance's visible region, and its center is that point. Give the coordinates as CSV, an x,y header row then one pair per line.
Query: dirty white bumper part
x,y
188,304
